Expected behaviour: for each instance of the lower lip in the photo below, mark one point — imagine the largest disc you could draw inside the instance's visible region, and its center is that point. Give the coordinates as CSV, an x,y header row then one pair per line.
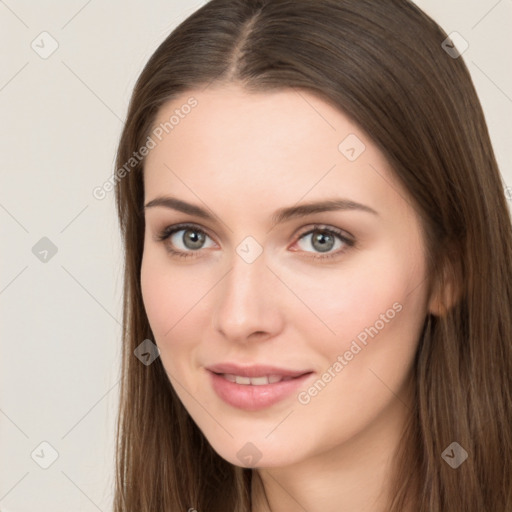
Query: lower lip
x,y
254,398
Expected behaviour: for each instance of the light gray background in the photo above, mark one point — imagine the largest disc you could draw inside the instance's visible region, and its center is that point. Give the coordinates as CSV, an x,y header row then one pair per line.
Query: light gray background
x,y
61,119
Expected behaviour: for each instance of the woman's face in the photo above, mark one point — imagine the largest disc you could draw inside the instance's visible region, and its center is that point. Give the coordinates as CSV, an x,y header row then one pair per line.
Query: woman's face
x,y
333,295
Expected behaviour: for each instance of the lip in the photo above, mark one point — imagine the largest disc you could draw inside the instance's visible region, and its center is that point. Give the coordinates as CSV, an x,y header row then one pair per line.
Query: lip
x,y
255,398
255,370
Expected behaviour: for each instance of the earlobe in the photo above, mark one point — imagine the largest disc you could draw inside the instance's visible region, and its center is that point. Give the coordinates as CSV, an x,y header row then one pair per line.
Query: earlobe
x,y
445,293
440,303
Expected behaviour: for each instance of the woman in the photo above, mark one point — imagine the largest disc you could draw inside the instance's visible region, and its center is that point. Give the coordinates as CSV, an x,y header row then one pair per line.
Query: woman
x,y
318,268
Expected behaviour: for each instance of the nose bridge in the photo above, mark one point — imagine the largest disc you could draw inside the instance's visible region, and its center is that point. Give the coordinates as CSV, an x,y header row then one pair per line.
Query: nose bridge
x,y
244,302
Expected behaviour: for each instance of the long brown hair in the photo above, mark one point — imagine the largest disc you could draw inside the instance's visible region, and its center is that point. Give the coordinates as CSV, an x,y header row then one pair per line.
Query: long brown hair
x,y
383,64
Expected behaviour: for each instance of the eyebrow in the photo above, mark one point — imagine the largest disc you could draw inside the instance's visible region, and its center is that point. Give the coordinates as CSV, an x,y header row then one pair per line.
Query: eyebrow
x,y
279,216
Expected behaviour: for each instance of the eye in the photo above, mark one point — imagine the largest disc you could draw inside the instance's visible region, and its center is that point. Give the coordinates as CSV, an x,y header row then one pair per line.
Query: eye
x,y
324,242
185,239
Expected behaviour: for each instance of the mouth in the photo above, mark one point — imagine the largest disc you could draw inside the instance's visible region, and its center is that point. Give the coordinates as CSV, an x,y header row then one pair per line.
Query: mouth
x,y
254,381
258,391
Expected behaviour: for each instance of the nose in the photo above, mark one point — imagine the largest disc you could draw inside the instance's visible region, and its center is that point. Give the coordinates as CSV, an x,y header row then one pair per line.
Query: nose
x,y
246,303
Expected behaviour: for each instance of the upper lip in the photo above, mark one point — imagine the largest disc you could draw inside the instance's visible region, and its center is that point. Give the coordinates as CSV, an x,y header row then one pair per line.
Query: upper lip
x,y
259,370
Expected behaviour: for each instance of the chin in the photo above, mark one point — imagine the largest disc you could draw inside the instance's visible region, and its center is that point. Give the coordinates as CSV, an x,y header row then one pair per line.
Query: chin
x,y
256,454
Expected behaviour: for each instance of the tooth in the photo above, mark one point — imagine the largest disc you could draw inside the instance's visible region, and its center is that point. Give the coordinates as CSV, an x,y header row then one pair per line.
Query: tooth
x,y
259,381
254,381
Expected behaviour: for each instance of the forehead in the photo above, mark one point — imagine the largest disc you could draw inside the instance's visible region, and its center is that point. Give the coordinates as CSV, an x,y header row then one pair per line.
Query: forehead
x,y
277,146
228,119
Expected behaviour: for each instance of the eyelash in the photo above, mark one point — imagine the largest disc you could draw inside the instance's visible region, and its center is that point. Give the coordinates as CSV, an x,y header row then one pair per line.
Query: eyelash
x,y
170,230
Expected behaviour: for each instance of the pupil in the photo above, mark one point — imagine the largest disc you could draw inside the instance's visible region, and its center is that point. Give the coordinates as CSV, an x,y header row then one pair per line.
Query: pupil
x,y
325,242
193,239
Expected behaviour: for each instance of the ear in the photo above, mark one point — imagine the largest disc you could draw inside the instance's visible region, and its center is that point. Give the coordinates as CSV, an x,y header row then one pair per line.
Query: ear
x,y
446,290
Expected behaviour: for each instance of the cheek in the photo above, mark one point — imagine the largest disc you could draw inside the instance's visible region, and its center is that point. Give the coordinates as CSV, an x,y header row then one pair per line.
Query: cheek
x,y
160,299
167,293
174,301
374,299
